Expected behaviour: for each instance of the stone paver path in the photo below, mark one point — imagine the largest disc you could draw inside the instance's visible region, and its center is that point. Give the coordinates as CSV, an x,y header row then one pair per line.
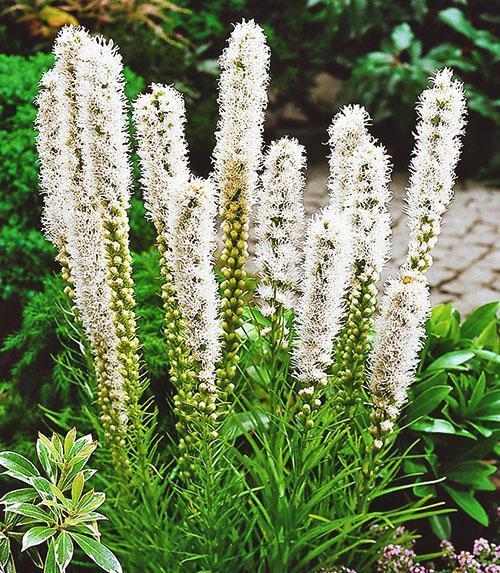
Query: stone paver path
x,y
466,267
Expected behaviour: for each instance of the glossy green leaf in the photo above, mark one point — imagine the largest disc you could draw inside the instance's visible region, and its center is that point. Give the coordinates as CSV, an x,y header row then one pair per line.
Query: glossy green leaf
x,y
4,551
433,426
466,501
451,360
77,488
426,402
100,554
19,495
50,560
64,550
479,320
18,466
31,511
36,536
468,473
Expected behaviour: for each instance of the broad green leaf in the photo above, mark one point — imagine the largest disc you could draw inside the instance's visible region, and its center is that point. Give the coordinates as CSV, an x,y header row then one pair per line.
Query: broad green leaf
x,y
43,487
488,339
100,554
441,526
466,501
426,402
64,550
402,37
451,360
468,473
487,355
18,466
77,488
90,501
69,440
434,426
36,535
50,559
19,495
479,320
29,510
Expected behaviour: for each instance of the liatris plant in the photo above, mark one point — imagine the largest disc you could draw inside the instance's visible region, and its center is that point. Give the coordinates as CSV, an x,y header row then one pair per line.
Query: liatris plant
x,y
85,179
270,468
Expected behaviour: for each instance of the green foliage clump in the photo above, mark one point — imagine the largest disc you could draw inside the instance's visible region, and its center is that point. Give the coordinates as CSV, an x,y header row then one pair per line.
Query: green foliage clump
x,y
55,510
388,78
454,412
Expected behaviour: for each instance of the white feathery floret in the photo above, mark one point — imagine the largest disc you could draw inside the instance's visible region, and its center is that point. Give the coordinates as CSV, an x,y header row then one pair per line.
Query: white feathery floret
x,y
102,123
242,101
159,118
399,331
54,177
441,112
194,239
359,183
280,225
328,255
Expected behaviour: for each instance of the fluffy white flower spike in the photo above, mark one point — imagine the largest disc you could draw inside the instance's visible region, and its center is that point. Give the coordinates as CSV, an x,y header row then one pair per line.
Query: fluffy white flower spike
x,y
328,257
237,157
85,169
358,184
160,117
280,225
194,240
242,102
399,333
441,110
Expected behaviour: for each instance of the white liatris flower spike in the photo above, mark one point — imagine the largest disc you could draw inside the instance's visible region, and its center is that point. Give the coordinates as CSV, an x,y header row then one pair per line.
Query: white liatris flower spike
x,y
280,225
358,183
160,117
399,332
194,240
328,256
237,157
441,111
91,183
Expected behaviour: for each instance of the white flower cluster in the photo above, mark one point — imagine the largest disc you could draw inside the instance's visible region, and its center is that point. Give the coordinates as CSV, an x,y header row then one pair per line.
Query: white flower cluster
x,y
280,225
193,244
328,257
159,118
399,333
441,111
242,102
358,183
